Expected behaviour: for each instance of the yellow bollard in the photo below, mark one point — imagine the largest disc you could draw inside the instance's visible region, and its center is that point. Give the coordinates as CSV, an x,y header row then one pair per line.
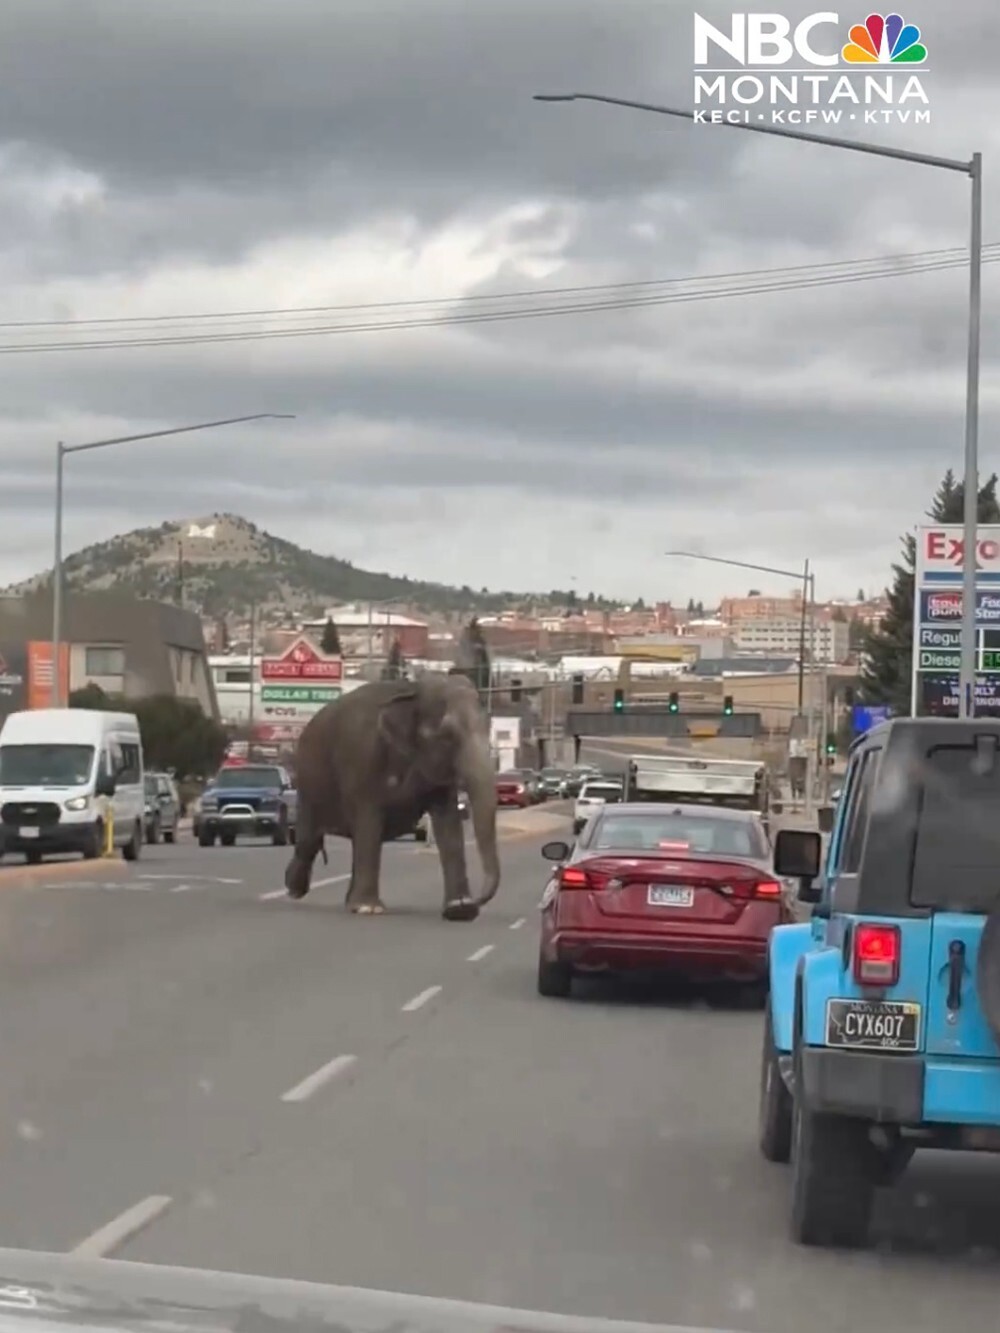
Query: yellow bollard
x,y
109,836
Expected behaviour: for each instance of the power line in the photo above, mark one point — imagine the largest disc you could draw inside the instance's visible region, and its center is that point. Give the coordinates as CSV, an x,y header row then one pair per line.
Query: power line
x,y
955,252
760,281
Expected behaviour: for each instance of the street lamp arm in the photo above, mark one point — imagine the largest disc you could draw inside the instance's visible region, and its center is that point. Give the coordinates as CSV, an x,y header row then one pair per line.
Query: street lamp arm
x,y
853,145
175,430
740,564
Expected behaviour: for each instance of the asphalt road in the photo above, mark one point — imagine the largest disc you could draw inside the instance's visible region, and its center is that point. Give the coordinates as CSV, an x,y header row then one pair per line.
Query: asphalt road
x,y
277,1088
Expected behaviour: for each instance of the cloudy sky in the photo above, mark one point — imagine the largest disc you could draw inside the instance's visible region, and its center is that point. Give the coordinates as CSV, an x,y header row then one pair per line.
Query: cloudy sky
x,y
209,157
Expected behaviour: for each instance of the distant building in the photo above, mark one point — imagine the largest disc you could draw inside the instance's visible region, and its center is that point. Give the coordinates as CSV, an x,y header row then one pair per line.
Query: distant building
x,y
363,629
123,644
827,640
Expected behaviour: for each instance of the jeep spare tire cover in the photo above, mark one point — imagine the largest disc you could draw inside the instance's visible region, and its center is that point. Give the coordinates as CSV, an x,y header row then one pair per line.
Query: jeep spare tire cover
x,y
988,974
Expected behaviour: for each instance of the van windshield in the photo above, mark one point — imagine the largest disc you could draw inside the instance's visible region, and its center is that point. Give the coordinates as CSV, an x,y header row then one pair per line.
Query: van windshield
x,y
45,765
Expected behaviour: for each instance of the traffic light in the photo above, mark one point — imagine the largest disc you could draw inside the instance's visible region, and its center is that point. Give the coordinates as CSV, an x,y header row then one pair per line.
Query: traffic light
x,y
619,703
515,690
727,706
831,743
674,702
578,689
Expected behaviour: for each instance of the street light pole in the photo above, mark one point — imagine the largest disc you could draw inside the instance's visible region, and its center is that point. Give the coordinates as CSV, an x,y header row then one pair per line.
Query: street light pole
x,y
57,569
973,168
808,579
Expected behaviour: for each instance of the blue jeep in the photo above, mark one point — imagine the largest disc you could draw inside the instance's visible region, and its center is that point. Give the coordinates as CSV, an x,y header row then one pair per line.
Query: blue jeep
x,y
252,799
882,1032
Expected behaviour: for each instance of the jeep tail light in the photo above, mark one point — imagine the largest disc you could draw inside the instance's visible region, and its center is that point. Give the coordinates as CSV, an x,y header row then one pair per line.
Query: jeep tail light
x,y
876,955
767,888
572,878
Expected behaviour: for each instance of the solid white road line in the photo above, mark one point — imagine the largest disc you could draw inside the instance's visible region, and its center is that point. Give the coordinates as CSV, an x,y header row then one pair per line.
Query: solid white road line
x,y
420,1000
316,884
480,953
317,1080
122,1228
516,925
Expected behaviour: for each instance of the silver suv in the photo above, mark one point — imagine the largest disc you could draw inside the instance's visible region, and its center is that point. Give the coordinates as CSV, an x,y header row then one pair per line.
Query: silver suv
x,y
163,807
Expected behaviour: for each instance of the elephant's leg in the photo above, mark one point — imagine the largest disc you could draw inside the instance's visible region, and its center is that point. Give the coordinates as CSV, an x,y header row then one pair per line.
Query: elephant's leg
x,y
449,834
366,863
308,845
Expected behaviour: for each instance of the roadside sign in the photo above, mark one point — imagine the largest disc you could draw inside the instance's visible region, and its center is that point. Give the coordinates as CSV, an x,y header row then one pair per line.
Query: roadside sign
x,y
299,694
302,661
866,716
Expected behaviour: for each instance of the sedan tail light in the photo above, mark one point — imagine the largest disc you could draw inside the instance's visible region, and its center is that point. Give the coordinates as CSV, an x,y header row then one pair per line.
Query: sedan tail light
x,y
877,951
767,889
572,878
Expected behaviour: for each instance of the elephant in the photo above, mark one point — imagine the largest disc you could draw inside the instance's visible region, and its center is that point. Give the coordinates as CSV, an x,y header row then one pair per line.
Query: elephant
x,y
371,763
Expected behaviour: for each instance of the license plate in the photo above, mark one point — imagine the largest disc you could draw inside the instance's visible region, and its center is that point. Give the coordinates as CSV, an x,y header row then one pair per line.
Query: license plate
x,y
873,1025
29,832
670,895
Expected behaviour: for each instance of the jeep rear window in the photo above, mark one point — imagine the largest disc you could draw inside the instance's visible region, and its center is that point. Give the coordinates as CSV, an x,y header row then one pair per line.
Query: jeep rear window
x,y
956,855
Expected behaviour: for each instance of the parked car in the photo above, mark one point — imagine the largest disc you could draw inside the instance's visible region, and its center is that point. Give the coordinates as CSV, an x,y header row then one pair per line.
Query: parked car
x,y
249,799
512,790
594,794
577,776
553,781
163,808
686,889
882,1034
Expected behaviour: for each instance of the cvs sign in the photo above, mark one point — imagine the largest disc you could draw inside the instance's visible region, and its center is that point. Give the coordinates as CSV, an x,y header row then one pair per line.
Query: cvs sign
x,y
759,40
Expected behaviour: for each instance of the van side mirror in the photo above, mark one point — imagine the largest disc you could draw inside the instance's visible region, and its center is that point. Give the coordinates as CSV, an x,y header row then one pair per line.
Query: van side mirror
x,y
105,785
797,853
556,851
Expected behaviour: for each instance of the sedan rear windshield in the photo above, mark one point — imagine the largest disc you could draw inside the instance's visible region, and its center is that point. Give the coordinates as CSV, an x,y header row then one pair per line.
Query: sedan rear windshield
x,y
681,835
608,791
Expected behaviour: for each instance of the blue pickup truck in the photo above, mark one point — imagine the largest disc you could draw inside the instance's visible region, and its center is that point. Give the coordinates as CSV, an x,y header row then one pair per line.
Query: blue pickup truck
x,y
882,1031
255,800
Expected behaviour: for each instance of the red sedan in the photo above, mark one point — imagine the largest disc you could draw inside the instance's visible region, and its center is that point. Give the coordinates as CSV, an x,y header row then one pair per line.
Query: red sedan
x,y
512,789
685,889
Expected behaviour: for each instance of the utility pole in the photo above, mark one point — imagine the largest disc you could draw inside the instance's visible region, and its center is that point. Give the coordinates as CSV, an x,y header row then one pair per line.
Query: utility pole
x,y
253,671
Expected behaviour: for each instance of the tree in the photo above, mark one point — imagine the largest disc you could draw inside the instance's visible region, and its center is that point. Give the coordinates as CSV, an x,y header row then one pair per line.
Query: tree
x,y
856,635
395,665
887,660
90,696
861,595
472,658
176,733
330,642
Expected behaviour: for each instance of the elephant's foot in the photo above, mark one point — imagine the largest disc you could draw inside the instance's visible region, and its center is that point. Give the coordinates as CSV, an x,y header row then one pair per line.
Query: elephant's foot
x,y
297,877
376,908
461,909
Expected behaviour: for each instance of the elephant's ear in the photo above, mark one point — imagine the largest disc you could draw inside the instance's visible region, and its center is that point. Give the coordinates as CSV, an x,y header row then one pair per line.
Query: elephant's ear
x,y
397,722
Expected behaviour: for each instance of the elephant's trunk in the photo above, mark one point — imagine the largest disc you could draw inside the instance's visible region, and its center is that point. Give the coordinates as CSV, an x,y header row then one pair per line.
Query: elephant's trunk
x,y
475,767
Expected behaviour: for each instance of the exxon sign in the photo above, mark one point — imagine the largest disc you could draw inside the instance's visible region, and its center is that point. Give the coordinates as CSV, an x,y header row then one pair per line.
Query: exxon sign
x,y
940,552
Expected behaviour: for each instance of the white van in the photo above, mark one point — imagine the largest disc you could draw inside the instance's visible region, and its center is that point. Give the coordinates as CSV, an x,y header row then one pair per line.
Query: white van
x,y
63,773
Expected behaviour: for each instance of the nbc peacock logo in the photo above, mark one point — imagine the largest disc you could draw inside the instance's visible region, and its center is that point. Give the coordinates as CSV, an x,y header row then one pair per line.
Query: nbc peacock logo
x,y
884,39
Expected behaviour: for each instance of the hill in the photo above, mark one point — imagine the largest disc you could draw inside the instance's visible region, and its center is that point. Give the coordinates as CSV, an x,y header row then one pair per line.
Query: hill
x,y
223,562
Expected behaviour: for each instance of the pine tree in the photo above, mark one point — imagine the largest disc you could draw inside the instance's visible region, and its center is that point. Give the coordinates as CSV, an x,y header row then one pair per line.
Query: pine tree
x,y
330,642
887,663
395,664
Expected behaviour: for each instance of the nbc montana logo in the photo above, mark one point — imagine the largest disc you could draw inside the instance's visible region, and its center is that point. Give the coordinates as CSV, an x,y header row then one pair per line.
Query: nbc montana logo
x,y
884,39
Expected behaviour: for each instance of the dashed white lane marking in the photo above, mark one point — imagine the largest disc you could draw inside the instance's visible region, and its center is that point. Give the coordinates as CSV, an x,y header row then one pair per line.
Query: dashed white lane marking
x,y
420,1000
480,953
317,1080
516,925
316,884
122,1228
182,888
